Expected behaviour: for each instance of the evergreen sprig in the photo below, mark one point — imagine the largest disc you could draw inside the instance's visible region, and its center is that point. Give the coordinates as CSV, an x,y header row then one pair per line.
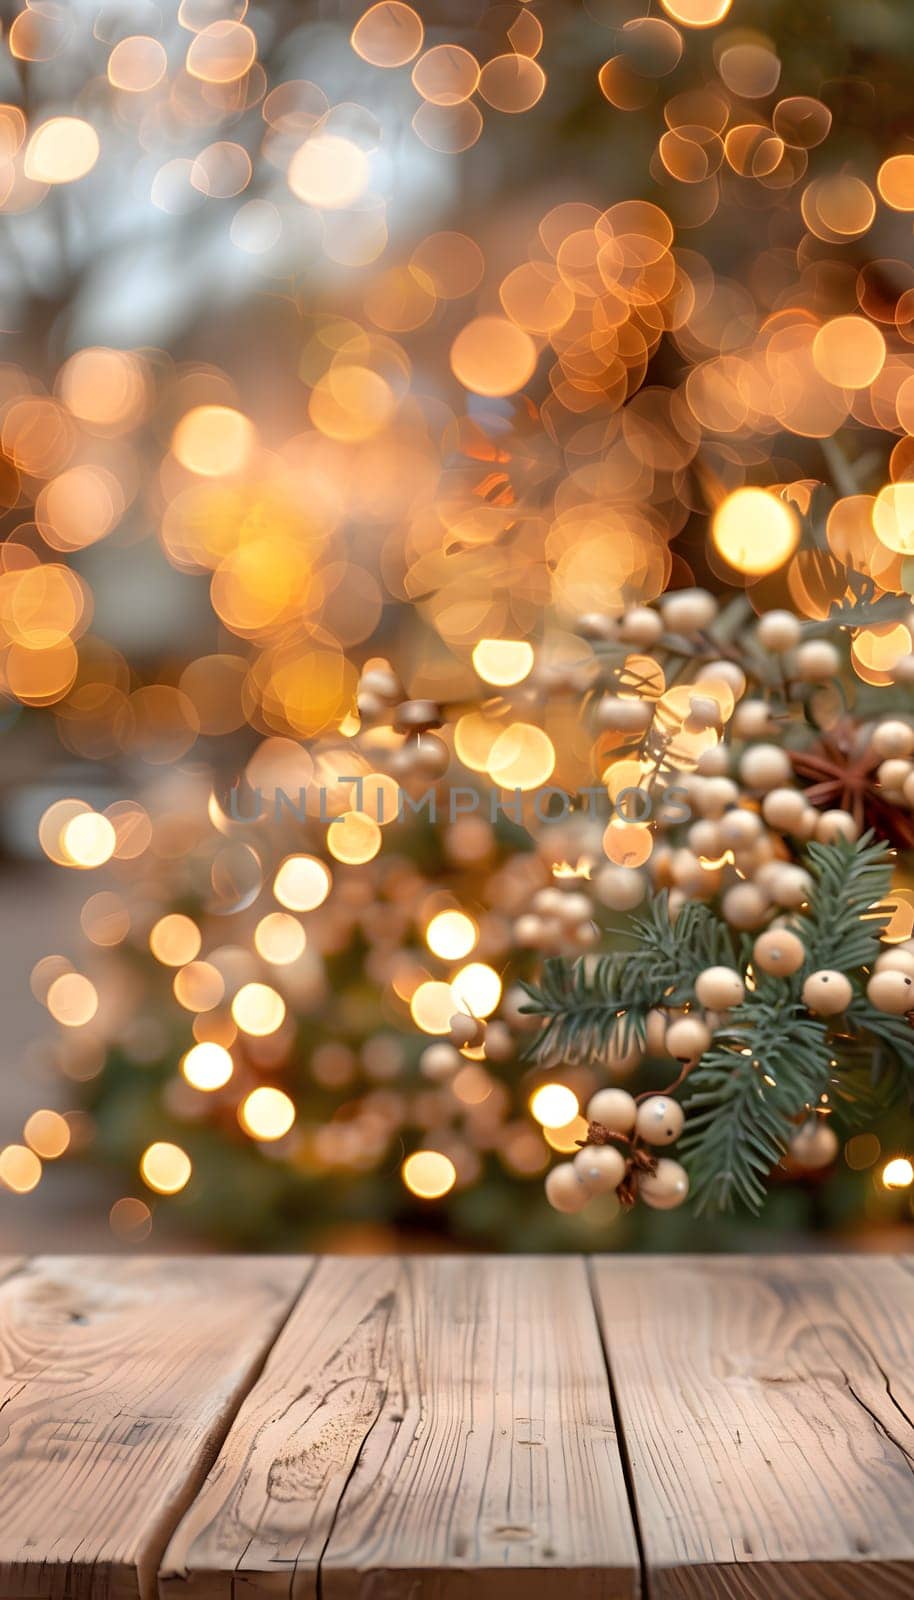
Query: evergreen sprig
x,y
593,1005
772,1060
743,1097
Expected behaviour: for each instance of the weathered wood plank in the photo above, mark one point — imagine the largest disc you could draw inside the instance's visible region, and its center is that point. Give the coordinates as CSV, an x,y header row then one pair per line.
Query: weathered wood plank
x,y
430,1427
118,1378
766,1407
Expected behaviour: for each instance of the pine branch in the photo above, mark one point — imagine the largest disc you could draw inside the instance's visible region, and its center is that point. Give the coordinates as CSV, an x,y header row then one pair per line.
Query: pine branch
x,y
773,1060
591,1006
744,1096
847,911
886,1044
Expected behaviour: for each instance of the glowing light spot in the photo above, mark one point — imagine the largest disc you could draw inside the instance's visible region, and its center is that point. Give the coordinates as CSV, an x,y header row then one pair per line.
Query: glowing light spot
x,y
106,388
258,1009
130,1219
329,172
47,1133
512,83
432,1006
61,150
72,1000
213,441
354,838
302,883
89,840
279,938
568,1138
388,34
266,1113
175,940
895,182
754,531
20,1168
697,13
893,517
451,935
199,986
207,1066
898,1173
476,989
553,1105
503,661
522,757
492,356
165,1167
137,64
849,352
446,75
428,1174
221,53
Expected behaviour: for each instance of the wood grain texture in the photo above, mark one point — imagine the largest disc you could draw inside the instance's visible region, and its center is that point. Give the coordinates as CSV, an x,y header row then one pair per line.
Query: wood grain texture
x,y
766,1408
118,1378
434,1428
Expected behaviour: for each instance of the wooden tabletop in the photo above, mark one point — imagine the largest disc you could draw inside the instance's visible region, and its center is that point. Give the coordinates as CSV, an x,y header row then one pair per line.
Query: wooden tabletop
x,y
448,1428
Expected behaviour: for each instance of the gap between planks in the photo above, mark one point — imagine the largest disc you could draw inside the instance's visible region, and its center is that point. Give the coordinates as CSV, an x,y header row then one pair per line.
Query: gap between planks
x,y
430,1426
120,1380
621,1444
148,1580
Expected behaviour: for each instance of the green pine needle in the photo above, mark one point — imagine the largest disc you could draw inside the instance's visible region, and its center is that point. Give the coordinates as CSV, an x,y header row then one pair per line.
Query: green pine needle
x,y
772,1061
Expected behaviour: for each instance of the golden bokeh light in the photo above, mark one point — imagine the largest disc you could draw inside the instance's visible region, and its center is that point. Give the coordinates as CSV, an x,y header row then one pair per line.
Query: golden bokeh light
x,y
175,939
137,64
302,883
428,1174
446,75
476,989
213,441
222,52
893,517
432,1005
207,1066
61,151
266,1113
697,13
258,1009
553,1105
72,1000
512,83
199,986
20,1168
897,1173
388,34
754,531
521,757
279,938
849,352
451,935
895,182
503,662
353,838
47,1133
88,840
165,1167
329,172
492,356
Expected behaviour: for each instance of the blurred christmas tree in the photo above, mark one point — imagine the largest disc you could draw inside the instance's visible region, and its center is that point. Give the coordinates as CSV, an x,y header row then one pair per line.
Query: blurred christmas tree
x,y
483,375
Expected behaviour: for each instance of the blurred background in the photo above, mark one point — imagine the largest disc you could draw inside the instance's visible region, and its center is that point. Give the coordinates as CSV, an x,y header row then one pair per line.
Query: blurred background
x,y
351,357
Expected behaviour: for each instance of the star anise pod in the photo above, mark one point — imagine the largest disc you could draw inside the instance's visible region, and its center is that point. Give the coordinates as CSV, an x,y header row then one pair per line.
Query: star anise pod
x,y
840,768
